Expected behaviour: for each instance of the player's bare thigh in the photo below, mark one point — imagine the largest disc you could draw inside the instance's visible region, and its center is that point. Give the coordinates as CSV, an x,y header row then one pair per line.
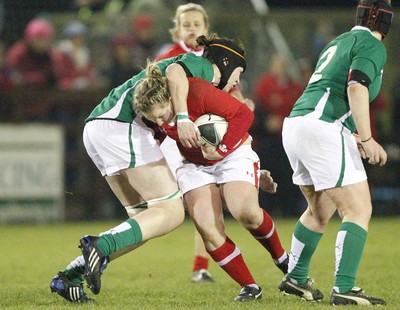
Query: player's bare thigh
x,y
242,201
353,202
147,182
319,210
204,205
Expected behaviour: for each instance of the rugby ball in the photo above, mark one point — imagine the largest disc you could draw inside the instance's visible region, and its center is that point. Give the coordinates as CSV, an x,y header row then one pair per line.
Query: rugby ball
x,y
212,129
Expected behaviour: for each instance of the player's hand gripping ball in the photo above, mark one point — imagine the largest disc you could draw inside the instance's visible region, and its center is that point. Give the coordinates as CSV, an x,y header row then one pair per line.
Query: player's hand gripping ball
x,y
212,129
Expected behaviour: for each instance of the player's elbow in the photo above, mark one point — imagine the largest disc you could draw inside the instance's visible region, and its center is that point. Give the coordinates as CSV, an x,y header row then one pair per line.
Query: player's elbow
x,y
174,72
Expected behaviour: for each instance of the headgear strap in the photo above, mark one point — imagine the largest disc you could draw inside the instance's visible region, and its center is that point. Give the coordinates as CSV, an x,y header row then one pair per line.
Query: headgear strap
x,y
229,49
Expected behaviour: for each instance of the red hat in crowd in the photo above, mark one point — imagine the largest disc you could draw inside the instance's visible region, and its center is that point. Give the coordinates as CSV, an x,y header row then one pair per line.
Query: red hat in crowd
x,y
38,28
143,22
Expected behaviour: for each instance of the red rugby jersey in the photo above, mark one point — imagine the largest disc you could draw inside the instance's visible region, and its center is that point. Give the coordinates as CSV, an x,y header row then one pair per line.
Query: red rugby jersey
x,y
204,98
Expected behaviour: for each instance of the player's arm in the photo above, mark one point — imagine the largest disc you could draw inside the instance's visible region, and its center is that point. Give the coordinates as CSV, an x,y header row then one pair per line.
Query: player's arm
x,y
239,118
357,92
238,115
179,88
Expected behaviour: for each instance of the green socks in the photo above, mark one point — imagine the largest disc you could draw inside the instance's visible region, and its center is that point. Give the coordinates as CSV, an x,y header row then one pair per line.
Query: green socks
x,y
75,275
304,243
350,242
113,240
126,234
75,270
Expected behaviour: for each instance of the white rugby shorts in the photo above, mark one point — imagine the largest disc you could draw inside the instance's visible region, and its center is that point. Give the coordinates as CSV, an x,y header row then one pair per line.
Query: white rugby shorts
x,y
114,146
321,154
172,155
243,164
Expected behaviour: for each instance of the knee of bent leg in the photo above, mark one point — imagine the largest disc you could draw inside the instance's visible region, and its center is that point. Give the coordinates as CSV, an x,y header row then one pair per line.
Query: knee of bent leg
x,y
249,218
359,213
178,211
173,209
170,206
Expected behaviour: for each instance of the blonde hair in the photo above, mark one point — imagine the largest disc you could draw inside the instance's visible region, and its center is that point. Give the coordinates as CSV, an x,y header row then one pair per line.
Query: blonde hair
x,y
183,9
152,90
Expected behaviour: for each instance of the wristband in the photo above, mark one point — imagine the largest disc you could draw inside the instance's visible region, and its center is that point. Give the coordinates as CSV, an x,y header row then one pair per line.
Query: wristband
x,y
182,116
363,141
185,120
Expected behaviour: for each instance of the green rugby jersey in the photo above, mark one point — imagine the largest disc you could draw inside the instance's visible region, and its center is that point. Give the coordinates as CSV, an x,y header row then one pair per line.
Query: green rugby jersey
x,y
118,104
325,97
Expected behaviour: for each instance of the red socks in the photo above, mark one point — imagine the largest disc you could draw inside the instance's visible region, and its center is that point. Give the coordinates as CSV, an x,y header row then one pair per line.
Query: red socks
x,y
267,235
230,259
200,262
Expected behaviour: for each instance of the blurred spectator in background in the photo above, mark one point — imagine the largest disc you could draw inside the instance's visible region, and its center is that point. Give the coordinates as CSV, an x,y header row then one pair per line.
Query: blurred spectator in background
x,y
6,81
36,64
145,42
190,22
394,150
275,93
306,70
122,66
324,33
377,108
396,108
32,58
77,71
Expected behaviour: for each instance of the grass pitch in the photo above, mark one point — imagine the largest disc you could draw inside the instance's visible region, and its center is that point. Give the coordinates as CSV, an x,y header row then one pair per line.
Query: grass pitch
x,y
157,275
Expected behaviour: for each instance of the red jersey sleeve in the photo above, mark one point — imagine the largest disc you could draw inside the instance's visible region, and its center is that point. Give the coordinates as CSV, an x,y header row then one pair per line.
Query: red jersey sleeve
x,y
205,98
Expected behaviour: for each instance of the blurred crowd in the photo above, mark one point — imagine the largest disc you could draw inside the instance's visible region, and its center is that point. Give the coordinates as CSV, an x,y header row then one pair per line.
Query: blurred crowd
x,y
38,61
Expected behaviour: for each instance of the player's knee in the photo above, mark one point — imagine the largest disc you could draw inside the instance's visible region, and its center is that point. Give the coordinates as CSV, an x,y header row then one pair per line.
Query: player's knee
x,y
171,206
177,211
249,218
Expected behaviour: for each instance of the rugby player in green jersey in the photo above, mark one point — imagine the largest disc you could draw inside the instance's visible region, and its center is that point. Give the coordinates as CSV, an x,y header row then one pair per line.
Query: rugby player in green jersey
x,y
126,153
325,137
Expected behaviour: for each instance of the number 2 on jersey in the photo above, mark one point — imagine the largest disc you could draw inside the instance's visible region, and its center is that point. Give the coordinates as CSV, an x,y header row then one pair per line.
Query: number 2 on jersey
x,y
328,54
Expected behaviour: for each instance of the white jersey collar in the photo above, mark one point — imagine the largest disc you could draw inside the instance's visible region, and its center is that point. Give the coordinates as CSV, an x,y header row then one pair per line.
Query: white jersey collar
x,y
361,28
188,49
